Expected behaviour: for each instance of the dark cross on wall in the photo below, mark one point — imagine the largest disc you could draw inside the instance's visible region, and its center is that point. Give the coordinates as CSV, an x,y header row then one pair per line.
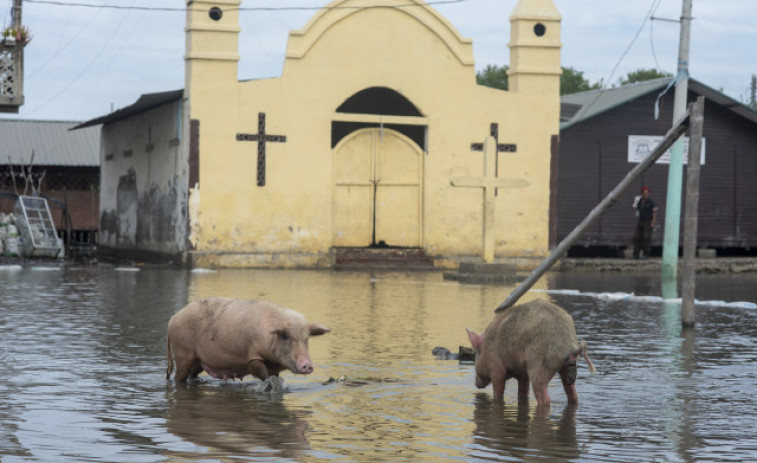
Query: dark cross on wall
x,y
501,147
261,137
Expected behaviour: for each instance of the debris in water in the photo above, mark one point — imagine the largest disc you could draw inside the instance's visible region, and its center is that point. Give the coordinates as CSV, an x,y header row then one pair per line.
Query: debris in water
x,y
203,270
360,381
464,355
442,353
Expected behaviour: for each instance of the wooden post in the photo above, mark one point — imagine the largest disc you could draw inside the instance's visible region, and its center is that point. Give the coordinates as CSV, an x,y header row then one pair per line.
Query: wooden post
x,y
673,134
691,218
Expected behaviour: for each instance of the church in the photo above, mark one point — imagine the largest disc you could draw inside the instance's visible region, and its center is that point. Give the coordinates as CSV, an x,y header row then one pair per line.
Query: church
x,y
376,134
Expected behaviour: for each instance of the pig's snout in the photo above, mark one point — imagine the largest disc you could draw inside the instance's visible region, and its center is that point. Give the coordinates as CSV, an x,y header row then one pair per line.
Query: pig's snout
x,y
304,367
481,381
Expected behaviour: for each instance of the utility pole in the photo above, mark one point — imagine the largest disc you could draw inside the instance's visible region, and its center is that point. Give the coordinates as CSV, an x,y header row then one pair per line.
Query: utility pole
x,y
16,14
675,168
12,56
691,218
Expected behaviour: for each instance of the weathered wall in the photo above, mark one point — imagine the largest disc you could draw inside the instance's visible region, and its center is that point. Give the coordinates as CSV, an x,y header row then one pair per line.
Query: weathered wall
x,y
143,190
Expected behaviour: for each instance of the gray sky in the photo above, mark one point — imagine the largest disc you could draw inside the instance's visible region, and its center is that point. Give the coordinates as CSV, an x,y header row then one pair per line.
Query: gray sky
x,y
83,62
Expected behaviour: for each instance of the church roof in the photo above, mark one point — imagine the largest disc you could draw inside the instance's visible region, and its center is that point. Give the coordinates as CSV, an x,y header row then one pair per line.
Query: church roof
x,y
144,103
582,106
301,41
52,142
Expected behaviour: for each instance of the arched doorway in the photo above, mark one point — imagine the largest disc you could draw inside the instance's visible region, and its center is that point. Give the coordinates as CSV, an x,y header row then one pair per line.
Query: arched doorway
x,y
378,189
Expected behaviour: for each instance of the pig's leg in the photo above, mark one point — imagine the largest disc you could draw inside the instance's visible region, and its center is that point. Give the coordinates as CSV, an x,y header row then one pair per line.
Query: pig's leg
x,y
540,391
186,367
498,389
196,369
258,369
568,383
539,382
523,383
498,385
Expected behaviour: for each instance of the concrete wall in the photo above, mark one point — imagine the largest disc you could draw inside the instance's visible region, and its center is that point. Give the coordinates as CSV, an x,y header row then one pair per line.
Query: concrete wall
x,y
143,190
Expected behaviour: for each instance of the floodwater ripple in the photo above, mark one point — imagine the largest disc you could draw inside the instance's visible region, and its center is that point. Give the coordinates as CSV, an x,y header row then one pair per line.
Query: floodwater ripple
x,y
83,372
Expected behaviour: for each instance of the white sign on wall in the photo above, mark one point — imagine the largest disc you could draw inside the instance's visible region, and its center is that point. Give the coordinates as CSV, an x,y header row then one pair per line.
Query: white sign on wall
x,y
639,147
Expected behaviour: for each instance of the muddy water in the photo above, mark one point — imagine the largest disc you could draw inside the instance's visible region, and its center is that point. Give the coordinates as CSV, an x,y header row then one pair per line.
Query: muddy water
x,y
82,365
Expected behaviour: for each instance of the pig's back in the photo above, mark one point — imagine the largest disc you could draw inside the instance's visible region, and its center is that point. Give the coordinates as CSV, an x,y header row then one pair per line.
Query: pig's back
x,y
217,320
539,327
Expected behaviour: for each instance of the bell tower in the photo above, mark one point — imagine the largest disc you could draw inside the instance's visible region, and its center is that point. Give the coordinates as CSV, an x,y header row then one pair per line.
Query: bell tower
x,y
212,54
535,48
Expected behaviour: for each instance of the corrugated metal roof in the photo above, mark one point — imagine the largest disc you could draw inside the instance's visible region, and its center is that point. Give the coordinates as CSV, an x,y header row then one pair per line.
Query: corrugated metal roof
x,y
595,102
145,102
52,142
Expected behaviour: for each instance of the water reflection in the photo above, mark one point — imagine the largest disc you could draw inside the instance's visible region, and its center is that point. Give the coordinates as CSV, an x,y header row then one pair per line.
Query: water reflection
x,y
522,432
229,419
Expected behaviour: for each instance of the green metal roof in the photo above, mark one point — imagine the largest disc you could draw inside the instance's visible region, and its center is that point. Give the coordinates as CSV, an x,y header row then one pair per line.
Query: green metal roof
x,y
582,106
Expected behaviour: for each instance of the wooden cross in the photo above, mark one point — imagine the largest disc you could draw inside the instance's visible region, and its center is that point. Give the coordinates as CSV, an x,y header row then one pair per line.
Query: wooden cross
x,y
261,137
489,183
501,147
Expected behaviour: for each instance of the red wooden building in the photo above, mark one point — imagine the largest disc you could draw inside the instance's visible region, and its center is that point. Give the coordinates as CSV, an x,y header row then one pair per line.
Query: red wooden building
x,y
65,168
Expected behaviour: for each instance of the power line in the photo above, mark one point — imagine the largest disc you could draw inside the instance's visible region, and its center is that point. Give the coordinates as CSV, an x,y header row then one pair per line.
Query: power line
x,y
651,36
254,8
85,69
652,8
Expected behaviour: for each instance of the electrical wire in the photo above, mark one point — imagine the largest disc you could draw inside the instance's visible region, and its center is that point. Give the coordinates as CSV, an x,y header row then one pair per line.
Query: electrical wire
x,y
651,37
64,45
584,109
112,59
255,8
85,69
7,14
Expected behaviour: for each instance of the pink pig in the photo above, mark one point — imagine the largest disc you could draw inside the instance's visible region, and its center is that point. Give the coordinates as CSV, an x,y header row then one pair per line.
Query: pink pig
x,y
232,338
530,342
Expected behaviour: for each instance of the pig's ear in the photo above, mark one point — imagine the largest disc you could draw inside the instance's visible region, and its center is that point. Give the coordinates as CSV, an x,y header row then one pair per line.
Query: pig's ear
x,y
476,340
317,330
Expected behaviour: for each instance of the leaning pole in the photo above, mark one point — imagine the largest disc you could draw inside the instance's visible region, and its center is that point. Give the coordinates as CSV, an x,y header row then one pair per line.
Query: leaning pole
x,y
673,134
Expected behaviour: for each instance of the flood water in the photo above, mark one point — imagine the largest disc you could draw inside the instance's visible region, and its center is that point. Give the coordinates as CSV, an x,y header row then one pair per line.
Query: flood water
x,y
83,359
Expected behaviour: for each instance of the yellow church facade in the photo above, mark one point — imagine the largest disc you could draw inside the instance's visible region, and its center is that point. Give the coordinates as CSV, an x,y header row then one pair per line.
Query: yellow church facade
x,y
375,133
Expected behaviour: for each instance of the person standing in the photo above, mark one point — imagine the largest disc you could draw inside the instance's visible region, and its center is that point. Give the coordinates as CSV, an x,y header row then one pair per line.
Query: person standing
x,y
646,211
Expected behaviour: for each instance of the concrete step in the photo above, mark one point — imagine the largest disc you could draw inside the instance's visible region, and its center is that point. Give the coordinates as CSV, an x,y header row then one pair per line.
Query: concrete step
x,y
388,258
484,273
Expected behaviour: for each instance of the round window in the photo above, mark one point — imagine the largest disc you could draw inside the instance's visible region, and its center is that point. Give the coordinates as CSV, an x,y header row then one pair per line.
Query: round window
x,y
540,29
215,13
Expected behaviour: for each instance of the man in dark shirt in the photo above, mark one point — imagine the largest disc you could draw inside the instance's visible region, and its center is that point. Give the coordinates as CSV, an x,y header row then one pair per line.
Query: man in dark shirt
x,y
647,213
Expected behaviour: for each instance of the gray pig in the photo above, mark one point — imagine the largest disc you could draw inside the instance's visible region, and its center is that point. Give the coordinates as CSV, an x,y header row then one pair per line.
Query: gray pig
x,y
231,338
529,342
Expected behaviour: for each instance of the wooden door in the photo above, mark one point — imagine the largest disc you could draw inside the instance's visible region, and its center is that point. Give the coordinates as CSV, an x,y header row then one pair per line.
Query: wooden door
x,y
378,190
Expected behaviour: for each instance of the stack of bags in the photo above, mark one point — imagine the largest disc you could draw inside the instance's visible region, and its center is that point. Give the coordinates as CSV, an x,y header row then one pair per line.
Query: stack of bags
x,y
9,245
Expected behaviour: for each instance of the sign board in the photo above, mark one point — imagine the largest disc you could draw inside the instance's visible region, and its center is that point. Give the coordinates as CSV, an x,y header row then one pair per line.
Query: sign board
x,y
639,147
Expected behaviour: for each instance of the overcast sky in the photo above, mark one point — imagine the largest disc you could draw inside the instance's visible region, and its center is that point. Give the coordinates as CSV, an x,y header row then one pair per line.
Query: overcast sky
x,y
84,62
